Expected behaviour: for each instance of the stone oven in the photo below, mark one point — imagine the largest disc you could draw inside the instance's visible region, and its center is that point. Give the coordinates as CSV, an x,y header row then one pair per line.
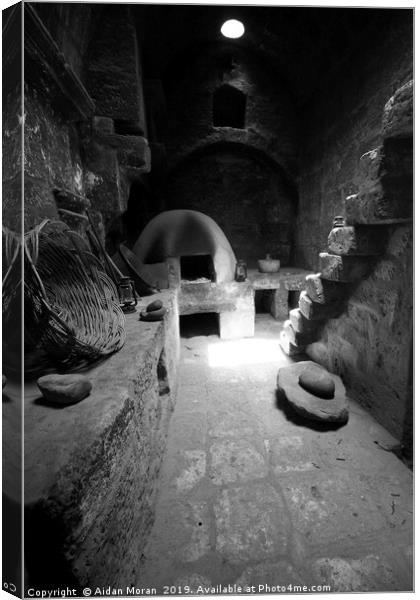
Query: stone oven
x,y
201,267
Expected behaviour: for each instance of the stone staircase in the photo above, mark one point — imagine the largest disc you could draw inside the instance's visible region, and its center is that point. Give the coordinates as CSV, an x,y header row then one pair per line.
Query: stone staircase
x,y
358,239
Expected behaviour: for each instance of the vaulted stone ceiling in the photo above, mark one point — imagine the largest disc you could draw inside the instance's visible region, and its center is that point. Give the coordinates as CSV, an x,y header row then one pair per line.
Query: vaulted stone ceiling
x,y
302,44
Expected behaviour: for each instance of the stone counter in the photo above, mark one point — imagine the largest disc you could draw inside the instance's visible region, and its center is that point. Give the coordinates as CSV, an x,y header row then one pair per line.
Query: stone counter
x,y
291,278
91,469
232,300
287,279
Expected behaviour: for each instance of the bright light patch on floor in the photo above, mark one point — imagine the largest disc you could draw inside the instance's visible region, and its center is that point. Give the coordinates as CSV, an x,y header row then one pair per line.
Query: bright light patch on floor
x,y
232,29
250,351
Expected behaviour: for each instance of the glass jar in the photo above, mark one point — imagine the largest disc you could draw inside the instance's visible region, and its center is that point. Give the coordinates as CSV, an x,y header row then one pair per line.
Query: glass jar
x,y
127,294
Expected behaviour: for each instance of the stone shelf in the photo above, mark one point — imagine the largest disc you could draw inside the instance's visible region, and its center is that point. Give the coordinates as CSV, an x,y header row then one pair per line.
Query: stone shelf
x,y
291,278
287,279
232,300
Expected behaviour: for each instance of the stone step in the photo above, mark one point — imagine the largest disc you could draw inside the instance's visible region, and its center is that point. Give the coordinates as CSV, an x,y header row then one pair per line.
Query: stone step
x,y
300,323
371,165
318,312
380,206
288,347
398,158
324,291
397,121
362,240
343,268
392,163
299,338
133,151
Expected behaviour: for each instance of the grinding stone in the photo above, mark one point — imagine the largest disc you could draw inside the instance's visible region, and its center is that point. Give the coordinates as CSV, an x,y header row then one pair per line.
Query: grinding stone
x,y
318,382
305,403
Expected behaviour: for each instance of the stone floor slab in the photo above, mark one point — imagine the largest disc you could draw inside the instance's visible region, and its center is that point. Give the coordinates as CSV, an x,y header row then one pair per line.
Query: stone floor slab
x,y
193,472
185,527
228,423
269,576
326,505
356,575
232,461
192,583
251,523
291,454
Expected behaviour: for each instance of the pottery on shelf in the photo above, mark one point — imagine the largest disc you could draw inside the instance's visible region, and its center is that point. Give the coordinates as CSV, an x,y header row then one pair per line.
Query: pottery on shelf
x,y
268,265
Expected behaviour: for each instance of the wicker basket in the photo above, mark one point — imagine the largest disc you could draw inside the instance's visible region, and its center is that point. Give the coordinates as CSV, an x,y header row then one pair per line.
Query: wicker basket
x,y
71,313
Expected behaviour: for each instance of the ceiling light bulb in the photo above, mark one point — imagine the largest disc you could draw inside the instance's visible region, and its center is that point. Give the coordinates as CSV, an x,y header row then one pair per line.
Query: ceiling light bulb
x,y
232,29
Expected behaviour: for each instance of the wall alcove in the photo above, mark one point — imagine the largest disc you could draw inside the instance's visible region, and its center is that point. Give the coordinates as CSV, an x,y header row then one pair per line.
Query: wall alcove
x,y
229,107
244,192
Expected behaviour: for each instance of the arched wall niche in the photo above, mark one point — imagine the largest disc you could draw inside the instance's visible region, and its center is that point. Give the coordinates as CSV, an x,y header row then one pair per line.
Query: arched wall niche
x,y
244,191
192,81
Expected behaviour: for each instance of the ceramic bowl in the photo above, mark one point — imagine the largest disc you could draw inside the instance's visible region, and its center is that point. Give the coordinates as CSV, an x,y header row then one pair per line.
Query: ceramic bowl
x,y
268,265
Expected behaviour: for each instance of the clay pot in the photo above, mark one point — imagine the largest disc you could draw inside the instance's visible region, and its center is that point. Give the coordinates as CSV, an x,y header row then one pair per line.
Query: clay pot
x,y
268,265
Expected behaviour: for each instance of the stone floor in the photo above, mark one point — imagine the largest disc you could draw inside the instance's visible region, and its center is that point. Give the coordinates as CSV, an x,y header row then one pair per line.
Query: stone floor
x,y
250,495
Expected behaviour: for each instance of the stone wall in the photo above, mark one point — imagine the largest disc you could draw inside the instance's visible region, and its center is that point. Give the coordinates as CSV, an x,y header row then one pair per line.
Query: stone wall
x,y
12,159
71,28
55,101
52,158
113,68
343,122
11,118
84,115
243,177
246,195
370,344
190,84
116,154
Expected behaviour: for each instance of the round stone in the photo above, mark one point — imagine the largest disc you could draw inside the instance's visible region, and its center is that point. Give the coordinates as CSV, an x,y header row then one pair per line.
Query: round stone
x,y
64,389
153,315
156,305
317,382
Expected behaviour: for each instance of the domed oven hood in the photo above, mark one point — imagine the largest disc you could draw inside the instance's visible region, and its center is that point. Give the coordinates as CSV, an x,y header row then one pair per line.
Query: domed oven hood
x,y
184,234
